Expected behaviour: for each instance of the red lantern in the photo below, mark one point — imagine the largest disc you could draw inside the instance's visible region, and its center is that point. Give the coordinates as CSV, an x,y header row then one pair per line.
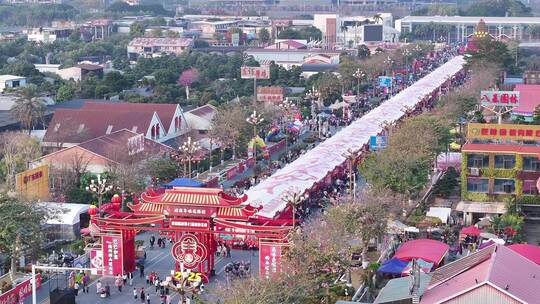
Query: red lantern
x,y
93,210
116,199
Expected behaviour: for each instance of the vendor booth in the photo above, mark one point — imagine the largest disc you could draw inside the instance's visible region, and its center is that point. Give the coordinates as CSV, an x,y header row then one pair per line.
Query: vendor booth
x,y
428,250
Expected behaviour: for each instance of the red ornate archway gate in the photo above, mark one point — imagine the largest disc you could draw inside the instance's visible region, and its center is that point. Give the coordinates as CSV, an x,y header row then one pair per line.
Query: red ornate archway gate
x,y
191,217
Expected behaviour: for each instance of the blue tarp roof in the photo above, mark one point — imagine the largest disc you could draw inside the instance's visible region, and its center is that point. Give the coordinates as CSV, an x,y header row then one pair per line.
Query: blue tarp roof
x,y
393,266
183,182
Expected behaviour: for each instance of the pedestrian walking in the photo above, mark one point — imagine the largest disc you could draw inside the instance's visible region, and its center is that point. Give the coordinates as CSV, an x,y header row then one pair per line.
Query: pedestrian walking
x,y
76,288
142,295
147,279
156,284
124,278
228,251
135,293
159,242
141,271
224,250
152,241
148,299
98,286
118,283
130,277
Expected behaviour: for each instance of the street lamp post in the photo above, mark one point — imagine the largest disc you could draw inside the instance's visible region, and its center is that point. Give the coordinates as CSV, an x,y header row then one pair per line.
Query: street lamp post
x,y
351,157
406,54
100,188
359,75
390,62
287,106
293,198
188,149
312,95
255,119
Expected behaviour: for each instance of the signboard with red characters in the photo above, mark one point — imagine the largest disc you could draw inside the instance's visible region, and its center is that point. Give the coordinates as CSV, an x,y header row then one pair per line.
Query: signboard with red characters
x,y
189,211
112,255
499,98
190,223
96,261
269,259
262,72
189,251
503,131
20,292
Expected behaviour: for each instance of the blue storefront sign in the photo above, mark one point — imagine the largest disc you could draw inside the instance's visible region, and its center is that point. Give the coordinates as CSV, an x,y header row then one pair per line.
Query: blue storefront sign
x,y
385,81
377,143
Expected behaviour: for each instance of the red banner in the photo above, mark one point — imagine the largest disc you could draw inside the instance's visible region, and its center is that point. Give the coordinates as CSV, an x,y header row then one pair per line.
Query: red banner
x,y
188,211
269,259
112,255
96,261
20,292
248,72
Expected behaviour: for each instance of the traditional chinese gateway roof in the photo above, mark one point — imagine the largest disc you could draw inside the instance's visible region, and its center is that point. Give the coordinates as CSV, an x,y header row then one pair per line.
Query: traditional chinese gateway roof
x,y
208,197
195,202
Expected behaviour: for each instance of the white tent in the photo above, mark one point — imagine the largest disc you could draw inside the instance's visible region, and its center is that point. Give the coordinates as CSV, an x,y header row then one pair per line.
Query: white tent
x,y
64,222
316,164
440,212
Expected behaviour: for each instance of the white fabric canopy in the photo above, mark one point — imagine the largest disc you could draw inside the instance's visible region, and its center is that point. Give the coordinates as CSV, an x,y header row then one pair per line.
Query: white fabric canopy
x,y
313,166
440,212
64,213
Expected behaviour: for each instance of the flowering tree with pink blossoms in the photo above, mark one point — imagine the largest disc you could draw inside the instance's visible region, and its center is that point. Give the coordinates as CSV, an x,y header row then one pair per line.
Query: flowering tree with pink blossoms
x,y
187,78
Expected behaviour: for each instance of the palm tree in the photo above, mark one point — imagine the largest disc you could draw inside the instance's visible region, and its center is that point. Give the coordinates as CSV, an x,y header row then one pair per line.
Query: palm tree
x,y
377,18
28,107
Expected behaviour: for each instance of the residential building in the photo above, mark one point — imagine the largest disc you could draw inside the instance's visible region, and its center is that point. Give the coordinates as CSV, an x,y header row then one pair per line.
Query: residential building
x,y
80,72
11,81
460,28
209,28
97,29
120,147
152,47
340,30
47,68
200,119
499,161
69,127
531,77
48,35
290,57
495,274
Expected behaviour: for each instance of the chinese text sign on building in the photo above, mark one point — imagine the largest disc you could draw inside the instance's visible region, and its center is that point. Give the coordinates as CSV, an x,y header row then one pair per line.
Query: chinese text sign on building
x,y
503,131
499,98
269,259
33,183
262,72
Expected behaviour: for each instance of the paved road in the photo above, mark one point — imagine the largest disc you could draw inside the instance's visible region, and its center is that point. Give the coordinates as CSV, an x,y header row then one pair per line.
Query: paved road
x,y
161,261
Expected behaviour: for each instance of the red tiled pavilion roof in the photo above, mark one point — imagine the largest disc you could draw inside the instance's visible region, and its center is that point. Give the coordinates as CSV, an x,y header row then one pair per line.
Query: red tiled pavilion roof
x,y
208,197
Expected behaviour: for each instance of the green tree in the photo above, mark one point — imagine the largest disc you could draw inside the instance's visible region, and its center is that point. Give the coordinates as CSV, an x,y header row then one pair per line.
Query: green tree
x,y
136,29
21,231
29,107
491,51
264,36
65,92
363,51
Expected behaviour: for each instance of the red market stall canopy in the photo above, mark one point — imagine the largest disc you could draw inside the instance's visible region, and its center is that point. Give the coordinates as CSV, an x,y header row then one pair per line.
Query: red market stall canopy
x,y
312,167
428,250
471,231
529,251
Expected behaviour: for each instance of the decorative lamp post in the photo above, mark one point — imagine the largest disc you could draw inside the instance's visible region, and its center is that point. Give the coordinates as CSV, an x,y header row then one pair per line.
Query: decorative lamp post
x,y
313,95
406,54
293,198
359,75
287,106
188,149
390,63
351,157
255,119
100,188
